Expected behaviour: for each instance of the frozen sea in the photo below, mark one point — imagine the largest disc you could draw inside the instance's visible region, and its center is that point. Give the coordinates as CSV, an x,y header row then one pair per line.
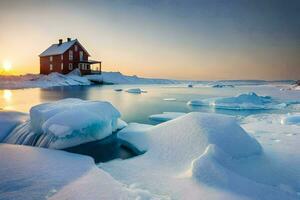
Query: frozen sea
x,y
156,98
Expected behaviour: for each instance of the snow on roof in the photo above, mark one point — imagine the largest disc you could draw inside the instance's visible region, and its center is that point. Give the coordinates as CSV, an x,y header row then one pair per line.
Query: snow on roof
x,y
57,49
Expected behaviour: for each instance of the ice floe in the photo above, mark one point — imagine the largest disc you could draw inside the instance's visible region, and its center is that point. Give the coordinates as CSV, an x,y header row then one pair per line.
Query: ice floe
x,y
246,101
135,90
166,116
222,86
134,136
291,119
66,123
169,99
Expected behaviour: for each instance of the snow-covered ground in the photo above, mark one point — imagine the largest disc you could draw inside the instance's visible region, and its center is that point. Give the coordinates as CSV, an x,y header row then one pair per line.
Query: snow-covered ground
x,y
204,156
42,81
37,173
119,78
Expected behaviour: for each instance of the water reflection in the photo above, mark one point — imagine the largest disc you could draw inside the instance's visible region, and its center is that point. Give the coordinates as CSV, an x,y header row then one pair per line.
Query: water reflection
x,y
7,94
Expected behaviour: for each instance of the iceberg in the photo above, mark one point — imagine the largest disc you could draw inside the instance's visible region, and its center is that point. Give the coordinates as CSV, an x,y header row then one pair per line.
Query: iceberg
x,y
166,116
66,123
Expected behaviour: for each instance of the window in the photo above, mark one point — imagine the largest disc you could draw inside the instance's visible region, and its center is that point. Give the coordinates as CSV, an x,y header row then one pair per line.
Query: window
x,y
51,67
51,58
62,57
70,66
81,55
62,66
76,48
70,55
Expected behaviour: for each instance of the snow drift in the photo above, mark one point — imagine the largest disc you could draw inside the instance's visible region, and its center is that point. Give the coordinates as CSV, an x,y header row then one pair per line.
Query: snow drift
x,y
209,148
203,129
66,123
34,173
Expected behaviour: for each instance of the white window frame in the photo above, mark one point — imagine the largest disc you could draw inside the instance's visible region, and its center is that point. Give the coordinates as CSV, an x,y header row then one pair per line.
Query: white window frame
x,y
62,57
70,55
76,47
81,55
51,67
51,58
62,66
70,66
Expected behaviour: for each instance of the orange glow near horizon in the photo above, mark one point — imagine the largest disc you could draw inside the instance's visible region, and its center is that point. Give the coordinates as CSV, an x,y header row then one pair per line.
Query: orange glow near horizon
x,y
147,42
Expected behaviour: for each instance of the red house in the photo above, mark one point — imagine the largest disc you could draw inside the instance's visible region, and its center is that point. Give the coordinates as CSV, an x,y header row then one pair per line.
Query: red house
x,y
64,57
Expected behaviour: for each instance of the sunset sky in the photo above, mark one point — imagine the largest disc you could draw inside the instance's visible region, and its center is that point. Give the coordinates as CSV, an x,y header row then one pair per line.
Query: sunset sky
x,y
200,40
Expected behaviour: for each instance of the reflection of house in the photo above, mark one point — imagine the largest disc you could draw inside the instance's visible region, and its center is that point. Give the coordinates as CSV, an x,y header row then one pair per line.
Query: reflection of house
x,y
66,56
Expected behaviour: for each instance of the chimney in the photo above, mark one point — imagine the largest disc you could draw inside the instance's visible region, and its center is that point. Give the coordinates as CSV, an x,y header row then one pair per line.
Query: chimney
x,y
69,39
60,41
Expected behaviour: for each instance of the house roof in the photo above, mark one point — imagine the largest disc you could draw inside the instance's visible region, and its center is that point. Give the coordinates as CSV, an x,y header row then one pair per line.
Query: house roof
x,y
57,49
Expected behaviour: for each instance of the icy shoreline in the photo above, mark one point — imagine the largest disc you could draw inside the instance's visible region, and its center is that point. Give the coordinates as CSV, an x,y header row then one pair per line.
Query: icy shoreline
x,y
73,78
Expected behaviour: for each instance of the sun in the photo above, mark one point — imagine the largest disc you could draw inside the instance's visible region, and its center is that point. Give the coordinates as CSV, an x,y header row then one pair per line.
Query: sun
x,y
7,66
